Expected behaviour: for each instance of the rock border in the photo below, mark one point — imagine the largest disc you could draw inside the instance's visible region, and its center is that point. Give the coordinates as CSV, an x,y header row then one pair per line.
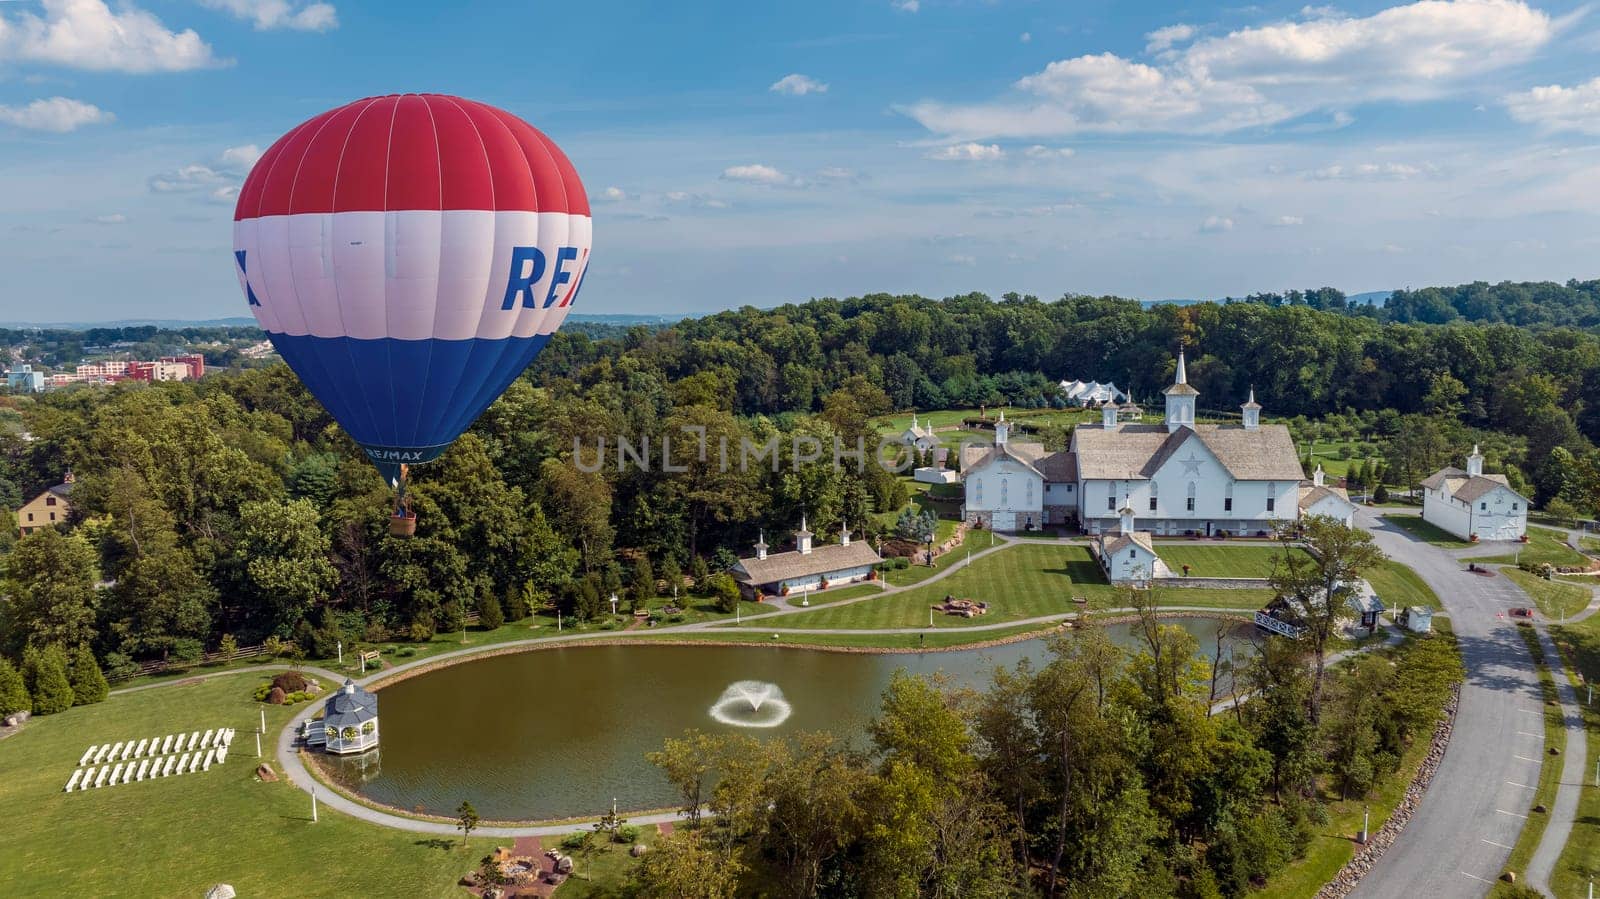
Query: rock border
x,y
1361,865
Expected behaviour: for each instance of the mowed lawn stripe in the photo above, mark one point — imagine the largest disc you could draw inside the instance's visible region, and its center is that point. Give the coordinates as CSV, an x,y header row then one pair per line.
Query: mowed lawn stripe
x,y
1214,560
1021,581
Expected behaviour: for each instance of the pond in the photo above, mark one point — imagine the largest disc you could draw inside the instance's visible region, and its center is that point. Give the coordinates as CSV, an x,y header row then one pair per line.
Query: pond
x,y
561,732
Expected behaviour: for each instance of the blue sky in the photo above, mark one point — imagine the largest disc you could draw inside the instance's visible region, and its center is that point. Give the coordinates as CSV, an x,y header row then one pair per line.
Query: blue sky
x,y
759,153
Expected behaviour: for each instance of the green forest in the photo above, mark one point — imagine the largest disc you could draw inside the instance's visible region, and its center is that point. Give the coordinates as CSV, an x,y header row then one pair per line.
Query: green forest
x,y
233,509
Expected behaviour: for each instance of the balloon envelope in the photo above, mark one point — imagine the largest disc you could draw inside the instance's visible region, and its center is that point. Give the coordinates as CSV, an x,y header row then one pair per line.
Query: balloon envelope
x,y
409,256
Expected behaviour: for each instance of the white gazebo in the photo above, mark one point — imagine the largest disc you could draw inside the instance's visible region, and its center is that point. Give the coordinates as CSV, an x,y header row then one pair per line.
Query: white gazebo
x,y
350,720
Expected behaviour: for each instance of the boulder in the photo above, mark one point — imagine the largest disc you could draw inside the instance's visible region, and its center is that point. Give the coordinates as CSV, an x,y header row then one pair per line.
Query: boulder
x,y
1540,809
638,849
277,696
1509,877
265,772
1555,751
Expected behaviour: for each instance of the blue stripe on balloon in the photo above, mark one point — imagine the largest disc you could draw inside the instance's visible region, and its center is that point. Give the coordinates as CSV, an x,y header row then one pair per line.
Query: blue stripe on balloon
x,y
406,394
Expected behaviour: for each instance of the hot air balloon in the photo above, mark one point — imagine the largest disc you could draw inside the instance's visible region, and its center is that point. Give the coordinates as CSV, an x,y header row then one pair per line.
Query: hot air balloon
x,y
409,256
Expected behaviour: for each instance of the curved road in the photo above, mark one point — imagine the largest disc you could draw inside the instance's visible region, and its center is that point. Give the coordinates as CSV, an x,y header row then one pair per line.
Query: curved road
x,y
1458,841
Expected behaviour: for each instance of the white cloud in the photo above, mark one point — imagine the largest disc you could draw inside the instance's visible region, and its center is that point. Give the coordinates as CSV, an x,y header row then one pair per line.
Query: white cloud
x,y
969,152
1288,221
226,194
614,194
266,15
240,159
1162,39
1026,37
1216,224
1260,76
961,259
755,174
87,34
1040,151
797,85
115,218
58,114
906,5
699,201
1557,108
1371,171
189,178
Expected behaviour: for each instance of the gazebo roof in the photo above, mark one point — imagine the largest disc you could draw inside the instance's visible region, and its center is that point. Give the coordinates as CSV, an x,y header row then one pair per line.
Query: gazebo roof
x,y
351,705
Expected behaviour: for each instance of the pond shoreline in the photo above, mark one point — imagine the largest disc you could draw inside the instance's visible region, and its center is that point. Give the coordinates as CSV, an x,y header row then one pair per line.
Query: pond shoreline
x,y
381,682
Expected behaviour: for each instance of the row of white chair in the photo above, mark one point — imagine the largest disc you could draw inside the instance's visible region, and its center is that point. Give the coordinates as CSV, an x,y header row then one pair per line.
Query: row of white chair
x,y
115,752
126,772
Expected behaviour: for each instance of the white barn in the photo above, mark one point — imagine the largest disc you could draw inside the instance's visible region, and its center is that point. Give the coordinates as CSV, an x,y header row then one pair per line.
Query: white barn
x,y
1179,476
1318,498
1129,555
1472,505
923,438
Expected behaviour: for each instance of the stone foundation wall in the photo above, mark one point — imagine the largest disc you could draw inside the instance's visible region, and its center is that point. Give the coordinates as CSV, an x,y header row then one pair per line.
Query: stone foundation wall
x,y
1227,583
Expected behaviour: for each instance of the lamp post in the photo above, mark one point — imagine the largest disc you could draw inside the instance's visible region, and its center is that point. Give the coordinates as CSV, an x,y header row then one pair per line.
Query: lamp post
x,y
341,652
313,804
1366,816
613,604
263,721
258,746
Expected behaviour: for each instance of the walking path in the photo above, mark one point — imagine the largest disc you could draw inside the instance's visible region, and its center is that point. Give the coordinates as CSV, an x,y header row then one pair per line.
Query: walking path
x,y
1573,768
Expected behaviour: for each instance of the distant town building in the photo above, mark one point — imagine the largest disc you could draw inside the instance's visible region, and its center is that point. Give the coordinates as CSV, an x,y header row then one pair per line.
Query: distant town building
x,y
108,371
806,567
48,508
23,377
1473,505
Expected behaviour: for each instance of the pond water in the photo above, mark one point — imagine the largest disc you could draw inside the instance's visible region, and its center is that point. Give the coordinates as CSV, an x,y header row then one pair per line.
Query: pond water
x,y
561,732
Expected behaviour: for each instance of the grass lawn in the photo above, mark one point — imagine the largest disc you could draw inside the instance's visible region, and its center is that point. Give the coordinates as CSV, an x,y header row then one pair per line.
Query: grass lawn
x,y
901,577
1334,844
1592,544
1544,545
1022,581
1580,860
824,597
1399,587
939,639
1555,600
1213,560
1427,531
177,836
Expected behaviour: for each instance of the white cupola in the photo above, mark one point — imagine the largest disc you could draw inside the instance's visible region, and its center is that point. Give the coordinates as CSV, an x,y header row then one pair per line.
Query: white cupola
x,y
761,545
1002,430
802,537
1180,399
1108,416
1127,519
1252,412
844,533
1318,476
1475,463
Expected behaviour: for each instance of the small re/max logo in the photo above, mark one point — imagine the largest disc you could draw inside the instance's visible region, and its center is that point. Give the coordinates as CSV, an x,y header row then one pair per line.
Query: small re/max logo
x,y
528,266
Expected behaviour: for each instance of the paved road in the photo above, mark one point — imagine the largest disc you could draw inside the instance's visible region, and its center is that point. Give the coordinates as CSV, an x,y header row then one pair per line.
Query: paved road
x,y
1475,807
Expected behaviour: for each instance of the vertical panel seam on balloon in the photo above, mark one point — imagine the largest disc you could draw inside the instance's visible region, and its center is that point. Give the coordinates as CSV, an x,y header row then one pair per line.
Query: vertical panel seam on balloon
x,y
540,313
438,286
388,325
349,348
460,422
447,420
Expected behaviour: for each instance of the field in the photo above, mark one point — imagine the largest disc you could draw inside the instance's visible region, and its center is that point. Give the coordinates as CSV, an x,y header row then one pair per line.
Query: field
x,y
1554,599
1543,546
1212,560
1426,531
179,835
1020,582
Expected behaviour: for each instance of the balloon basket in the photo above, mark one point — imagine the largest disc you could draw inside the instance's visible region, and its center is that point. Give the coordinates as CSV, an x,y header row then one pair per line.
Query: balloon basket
x,y
403,525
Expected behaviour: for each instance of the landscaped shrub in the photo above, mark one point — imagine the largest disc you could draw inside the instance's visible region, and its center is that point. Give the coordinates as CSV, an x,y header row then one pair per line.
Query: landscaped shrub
x,y
46,674
88,683
277,696
574,841
13,692
290,681
186,649
627,833
118,667
406,652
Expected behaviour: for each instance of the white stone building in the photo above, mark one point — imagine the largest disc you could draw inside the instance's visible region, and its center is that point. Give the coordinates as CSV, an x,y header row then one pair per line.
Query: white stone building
x,y
1179,476
1473,505
1319,498
806,568
1129,555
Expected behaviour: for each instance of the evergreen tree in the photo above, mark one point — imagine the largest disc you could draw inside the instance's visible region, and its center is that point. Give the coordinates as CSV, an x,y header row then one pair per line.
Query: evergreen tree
x,y
490,615
46,671
699,571
88,682
13,692
516,604
644,583
671,574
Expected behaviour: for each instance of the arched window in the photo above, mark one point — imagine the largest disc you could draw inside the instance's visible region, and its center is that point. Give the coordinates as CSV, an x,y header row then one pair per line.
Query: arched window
x,y
1272,496
1188,503
978,490
1003,490
1152,496
1227,497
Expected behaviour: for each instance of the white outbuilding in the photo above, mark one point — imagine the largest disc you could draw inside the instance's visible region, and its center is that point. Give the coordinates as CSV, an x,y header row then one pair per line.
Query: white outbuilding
x,y
1472,505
